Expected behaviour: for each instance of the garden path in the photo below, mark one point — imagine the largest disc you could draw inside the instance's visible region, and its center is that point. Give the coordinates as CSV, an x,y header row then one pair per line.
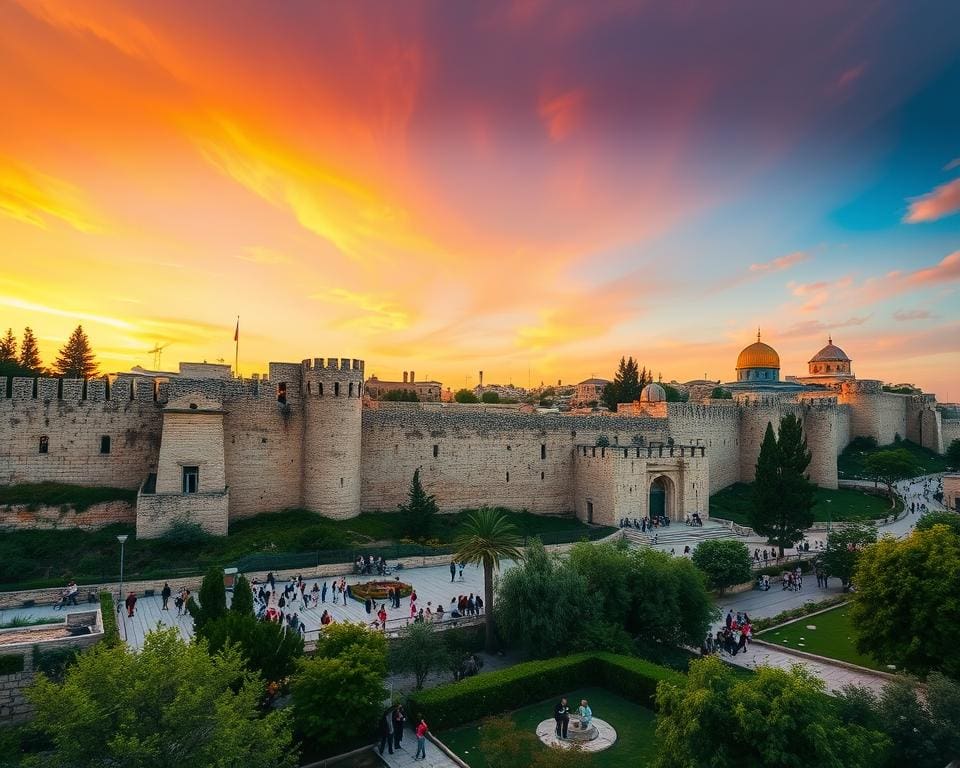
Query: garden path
x,y
403,757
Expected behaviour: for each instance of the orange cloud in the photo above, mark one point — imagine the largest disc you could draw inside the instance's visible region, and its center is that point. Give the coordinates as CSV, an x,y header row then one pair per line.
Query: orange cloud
x,y
561,113
34,198
942,201
781,263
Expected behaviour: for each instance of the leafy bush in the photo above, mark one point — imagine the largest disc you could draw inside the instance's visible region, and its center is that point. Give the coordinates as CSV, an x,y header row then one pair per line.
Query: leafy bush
x,y
724,561
267,647
811,606
448,706
183,532
111,632
54,662
11,663
79,497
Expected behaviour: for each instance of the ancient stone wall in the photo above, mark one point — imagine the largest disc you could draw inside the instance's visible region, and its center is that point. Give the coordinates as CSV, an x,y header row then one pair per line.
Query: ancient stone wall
x,y
756,411
823,435
471,455
950,431
843,428
20,517
893,417
158,512
951,492
74,416
863,398
717,428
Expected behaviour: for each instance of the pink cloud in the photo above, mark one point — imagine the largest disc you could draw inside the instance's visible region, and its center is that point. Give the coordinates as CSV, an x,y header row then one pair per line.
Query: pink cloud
x,y
947,270
780,263
942,201
561,113
848,77
818,327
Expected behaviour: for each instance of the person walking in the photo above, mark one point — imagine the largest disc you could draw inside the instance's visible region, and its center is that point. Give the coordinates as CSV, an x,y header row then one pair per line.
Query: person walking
x,y
165,595
386,731
453,571
421,731
399,720
131,603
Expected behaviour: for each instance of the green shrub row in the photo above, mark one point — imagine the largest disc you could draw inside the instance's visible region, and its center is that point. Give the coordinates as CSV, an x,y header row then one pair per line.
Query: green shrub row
x,y
108,611
811,606
11,663
448,706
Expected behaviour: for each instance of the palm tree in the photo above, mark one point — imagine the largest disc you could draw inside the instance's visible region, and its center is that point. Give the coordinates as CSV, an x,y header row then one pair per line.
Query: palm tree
x,y
487,537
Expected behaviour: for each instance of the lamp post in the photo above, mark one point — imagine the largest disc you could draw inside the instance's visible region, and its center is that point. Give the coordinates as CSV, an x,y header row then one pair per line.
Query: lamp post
x,y
122,539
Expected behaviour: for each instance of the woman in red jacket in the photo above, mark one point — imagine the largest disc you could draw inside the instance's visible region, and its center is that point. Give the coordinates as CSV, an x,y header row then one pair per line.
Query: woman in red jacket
x,y
421,740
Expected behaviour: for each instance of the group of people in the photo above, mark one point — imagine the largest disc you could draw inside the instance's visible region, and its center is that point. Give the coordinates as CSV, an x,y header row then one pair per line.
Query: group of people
x,y
645,524
366,564
561,714
392,724
792,581
732,638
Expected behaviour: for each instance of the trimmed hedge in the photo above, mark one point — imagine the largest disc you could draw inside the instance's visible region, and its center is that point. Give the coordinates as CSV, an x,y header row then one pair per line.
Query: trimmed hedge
x,y
811,606
448,706
11,663
108,612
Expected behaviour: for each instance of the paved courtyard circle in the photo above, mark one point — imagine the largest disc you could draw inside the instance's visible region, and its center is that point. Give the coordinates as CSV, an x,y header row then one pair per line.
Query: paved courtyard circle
x,y
604,737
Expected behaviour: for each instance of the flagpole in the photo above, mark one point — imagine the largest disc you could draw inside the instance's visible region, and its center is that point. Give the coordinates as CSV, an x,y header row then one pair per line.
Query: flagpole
x,y
236,349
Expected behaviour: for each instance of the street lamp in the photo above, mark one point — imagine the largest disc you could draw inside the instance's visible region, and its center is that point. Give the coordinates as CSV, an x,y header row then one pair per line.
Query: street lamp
x,y
122,539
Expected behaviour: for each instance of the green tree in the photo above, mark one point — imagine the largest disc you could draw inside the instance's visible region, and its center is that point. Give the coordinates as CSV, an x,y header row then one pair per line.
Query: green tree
x,y
844,546
724,561
8,347
419,651
212,597
268,648
338,694
905,608
719,393
465,396
420,511
76,359
538,599
490,397
487,537
400,396
771,719
168,705
949,519
674,395
953,454
783,496
610,396
607,569
30,352
890,466
242,601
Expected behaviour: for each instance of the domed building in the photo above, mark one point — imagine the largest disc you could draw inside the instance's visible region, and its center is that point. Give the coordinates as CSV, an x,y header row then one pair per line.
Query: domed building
x,y
758,362
830,361
653,393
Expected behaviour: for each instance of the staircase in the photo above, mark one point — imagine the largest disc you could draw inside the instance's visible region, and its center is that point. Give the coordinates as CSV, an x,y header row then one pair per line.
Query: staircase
x,y
678,535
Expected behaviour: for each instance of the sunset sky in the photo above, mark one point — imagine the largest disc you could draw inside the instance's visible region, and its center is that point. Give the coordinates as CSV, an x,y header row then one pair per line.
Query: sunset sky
x,y
531,188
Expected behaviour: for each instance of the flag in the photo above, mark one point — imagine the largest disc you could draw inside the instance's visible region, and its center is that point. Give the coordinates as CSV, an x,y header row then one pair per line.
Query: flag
x,y
236,331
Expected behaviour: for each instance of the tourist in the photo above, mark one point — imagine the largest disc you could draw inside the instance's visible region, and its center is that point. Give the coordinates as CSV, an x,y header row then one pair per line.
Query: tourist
x,y
453,571
368,605
72,590
399,720
429,613
386,731
561,713
479,604
422,729
131,603
471,605
271,580
462,566
454,608
413,610
729,619
439,612
382,615
586,714
165,596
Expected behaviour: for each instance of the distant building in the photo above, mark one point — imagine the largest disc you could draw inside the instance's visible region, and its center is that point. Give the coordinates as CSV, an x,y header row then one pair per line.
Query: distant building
x,y
590,390
426,391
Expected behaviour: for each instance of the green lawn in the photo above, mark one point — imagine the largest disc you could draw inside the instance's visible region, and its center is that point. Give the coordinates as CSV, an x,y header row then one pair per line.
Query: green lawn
x,y
47,558
734,502
850,463
833,637
636,741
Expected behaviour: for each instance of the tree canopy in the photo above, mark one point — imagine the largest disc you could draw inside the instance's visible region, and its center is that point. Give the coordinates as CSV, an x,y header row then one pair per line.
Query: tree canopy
x,y
420,651
30,352
76,359
949,519
953,454
168,705
212,598
401,396
465,396
771,719
844,546
268,648
783,494
626,384
724,561
490,397
890,466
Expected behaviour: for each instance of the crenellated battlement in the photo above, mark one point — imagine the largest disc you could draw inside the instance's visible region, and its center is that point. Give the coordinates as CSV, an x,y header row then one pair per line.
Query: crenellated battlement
x,y
339,377
333,364
650,451
725,412
122,389
862,387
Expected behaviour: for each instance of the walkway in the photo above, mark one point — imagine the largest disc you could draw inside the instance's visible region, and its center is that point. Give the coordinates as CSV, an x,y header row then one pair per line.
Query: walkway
x,y
403,757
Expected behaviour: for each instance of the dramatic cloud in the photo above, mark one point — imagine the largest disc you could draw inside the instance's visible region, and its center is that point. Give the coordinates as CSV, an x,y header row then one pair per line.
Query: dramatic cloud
x,y
808,328
35,198
781,263
906,315
942,201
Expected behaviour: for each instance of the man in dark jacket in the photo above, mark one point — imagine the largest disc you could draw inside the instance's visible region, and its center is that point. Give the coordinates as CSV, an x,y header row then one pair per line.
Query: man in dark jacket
x,y
386,731
561,713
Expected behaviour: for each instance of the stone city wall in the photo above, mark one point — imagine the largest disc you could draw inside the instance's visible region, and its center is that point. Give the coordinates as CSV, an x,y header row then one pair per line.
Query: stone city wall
x,y
157,513
950,431
893,417
21,517
470,455
74,415
716,427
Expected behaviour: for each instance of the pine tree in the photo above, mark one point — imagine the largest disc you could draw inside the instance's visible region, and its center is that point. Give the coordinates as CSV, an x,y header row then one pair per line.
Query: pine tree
x,y
242,601
766,484
76,359
8,348
420,510
30,352
628,382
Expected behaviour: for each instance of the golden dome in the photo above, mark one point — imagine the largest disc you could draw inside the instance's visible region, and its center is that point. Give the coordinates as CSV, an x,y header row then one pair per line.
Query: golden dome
x,y
758,355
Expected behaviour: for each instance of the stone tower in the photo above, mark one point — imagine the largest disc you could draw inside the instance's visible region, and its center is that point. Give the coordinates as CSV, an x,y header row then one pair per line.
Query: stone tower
x,y
331,436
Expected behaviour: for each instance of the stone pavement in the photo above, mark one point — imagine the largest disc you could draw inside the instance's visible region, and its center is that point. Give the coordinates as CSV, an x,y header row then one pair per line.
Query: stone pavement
x,y
403,757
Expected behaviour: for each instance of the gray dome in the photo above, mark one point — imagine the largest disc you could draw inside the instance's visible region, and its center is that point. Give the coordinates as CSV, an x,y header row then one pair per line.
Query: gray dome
x,y
653,393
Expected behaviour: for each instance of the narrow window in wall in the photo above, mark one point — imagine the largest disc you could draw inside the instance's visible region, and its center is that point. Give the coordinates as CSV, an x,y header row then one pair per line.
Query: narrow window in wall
x,y
508,477
282,393
543,451
309,388
44,444
541,475
105,444
336,389
191,479
351,389
436,451
320,389
341,482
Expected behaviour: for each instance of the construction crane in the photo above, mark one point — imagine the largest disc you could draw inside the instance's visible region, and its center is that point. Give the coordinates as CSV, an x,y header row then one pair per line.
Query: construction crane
x,y
156,352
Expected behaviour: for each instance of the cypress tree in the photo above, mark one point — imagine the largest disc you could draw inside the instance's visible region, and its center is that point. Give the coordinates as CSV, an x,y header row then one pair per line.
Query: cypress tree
x,y
242,602
8,347
30,352
766,485
213,598
420,509
628,381
76,359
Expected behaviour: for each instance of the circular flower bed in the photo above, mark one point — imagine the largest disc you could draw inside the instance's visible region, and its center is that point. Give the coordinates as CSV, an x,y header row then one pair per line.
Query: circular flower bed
x,y
378,590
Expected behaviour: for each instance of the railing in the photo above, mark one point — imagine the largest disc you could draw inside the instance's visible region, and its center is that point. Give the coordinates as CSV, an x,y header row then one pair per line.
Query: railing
x,y
397,627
